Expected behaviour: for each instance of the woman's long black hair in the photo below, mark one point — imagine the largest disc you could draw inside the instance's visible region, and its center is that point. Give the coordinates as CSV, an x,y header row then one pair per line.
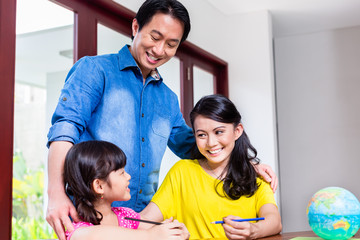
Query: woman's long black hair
x,y
85,162
240,179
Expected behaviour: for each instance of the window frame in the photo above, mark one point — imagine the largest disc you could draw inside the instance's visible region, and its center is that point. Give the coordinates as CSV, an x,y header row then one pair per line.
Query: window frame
x,y
7,73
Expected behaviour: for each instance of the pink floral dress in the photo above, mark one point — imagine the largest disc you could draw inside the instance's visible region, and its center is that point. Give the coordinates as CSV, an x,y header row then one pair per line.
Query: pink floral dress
x,y
120,212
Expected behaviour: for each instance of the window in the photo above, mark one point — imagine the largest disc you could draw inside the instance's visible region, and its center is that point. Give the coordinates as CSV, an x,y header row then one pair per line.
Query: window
x,y
43,58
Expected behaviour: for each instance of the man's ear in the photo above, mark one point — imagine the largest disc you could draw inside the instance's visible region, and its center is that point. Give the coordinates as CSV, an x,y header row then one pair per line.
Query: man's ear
x,y
98,186
134,27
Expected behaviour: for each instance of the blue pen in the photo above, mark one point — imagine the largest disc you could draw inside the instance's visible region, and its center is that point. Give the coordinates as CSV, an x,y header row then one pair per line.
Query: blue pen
x,y
240,220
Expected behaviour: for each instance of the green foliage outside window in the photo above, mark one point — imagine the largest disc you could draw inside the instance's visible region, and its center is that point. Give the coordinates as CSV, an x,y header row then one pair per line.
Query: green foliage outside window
x,y
28,187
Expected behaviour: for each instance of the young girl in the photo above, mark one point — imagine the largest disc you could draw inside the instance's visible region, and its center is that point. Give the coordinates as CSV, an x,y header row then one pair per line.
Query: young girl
x,y
221,184
94,177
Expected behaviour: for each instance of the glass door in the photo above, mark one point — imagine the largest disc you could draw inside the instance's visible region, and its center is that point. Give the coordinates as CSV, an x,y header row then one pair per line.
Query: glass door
x,y
203,83
44,55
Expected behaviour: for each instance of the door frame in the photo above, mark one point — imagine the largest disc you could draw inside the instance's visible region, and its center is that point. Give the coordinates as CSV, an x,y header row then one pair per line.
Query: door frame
x,y
7,78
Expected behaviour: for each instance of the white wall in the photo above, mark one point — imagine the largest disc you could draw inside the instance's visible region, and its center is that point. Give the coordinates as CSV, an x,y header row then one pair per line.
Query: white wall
x,y
317,79
245,42
251,80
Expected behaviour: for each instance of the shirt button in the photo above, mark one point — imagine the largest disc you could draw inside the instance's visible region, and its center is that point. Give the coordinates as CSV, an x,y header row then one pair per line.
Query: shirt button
x,y
142,115
143,139
140,191
143,165
64,99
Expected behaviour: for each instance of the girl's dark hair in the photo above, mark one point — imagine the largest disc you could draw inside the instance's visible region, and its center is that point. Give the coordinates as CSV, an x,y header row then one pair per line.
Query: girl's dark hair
x,y
240,179
171,7
85,162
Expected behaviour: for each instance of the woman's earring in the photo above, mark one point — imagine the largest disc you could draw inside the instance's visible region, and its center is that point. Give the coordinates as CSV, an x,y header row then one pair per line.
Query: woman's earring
x,y
102,196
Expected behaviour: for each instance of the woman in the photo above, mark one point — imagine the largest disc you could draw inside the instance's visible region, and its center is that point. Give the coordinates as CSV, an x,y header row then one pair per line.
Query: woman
x,y
221,183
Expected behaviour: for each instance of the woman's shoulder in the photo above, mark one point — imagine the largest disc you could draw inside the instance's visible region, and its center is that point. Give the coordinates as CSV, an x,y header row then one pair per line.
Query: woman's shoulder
x,y
184,166
262,183
260,180
263,186
186,163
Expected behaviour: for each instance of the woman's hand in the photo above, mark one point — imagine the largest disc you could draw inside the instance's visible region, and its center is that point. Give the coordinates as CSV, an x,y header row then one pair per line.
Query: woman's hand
x,y
185,233
271,224
237,230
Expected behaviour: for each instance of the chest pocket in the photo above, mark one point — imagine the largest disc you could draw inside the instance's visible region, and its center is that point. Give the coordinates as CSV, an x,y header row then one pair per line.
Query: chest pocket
x,y
161,123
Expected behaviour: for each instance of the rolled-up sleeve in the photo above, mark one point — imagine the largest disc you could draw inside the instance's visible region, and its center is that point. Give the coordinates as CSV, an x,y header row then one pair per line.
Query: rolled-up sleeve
x,y
63,131
82,92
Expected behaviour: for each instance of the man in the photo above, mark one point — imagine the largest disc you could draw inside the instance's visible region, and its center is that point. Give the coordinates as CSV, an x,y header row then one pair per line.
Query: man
x,y
121,98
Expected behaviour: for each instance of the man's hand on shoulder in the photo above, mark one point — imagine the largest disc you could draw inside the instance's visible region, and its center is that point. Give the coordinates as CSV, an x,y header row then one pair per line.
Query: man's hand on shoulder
x,y
266,172
59,209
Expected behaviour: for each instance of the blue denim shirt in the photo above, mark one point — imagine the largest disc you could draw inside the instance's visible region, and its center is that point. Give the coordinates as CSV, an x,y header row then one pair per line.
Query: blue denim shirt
x,y
104,98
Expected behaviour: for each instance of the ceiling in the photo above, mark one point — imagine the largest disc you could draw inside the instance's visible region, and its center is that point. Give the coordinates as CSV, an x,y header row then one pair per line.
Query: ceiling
x,y
291,17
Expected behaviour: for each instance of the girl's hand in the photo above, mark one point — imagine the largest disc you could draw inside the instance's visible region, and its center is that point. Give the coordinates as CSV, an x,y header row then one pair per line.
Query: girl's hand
x,y
168,230
237,230
185,233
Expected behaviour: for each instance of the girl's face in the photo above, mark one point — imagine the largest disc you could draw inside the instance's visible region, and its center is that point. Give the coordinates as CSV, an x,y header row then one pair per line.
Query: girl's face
x,y
216,140
118,189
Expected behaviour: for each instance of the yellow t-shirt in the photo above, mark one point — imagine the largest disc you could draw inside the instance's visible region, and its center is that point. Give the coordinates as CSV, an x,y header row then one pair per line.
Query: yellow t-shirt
x,y
188,194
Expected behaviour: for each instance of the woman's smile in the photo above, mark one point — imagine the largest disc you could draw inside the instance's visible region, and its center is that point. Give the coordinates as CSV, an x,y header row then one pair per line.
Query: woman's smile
x,y
215,140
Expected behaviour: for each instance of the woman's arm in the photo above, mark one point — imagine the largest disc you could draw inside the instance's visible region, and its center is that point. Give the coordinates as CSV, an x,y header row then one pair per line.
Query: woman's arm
x,y
151,212
247,230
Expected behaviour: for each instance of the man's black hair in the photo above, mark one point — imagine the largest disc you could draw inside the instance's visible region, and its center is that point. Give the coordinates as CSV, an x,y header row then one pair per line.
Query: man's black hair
x,y
171,7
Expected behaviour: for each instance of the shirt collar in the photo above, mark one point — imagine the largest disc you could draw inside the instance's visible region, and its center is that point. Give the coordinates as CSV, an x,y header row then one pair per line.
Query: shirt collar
x,y
126,60
156,75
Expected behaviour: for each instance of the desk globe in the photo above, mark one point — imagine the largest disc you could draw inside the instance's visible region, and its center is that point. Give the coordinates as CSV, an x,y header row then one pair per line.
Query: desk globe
x,y
334,213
